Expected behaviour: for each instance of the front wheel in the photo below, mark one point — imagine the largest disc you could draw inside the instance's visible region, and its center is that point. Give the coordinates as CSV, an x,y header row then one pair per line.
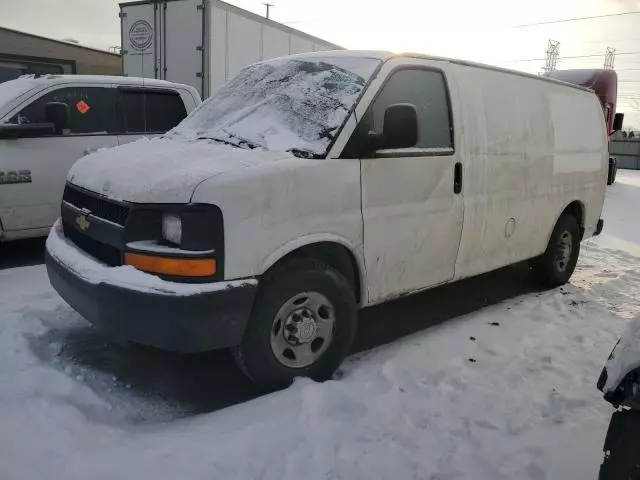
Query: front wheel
x,y
556,265
302,325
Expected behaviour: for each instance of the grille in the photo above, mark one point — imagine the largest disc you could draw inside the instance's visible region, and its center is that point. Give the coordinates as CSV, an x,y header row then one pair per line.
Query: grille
x,y
103,252
99,207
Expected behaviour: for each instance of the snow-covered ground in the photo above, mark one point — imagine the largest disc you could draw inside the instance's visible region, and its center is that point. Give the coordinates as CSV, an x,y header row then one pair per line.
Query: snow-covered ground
x,y
505,392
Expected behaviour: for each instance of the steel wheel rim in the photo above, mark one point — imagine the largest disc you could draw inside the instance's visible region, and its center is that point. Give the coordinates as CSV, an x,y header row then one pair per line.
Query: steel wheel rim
x,y
303,329
564,250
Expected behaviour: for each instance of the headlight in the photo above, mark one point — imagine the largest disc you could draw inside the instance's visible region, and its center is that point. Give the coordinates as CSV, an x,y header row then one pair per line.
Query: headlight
x,y
172,228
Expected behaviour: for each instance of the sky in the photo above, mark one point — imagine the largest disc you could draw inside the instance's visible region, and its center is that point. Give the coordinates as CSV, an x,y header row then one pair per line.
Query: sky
x,y
486,31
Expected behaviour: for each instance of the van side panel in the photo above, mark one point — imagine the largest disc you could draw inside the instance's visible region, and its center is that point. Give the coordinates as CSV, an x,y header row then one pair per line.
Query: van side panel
x,y
271,211
530,148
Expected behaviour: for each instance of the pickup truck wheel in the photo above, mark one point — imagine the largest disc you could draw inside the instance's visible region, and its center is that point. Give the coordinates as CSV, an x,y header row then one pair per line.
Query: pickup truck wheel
x,y
556,265
302,325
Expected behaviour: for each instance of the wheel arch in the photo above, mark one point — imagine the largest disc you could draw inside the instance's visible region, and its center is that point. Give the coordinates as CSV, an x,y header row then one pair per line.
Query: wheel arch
x,y
333,251
577,210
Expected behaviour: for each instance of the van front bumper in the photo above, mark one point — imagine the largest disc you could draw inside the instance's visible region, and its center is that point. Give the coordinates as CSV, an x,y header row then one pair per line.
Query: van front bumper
x,y
172,316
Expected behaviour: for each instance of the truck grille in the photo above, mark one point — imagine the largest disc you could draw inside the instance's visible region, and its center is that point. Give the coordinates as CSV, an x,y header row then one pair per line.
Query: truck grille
x,y
100,207
101,251
99,244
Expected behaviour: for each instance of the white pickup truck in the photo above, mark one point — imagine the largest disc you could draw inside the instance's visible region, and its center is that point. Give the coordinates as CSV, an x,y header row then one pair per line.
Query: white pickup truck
x,y
48,122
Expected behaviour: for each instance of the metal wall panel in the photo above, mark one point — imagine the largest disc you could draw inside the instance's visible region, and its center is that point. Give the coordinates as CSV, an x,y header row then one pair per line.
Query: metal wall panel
x,y
183,41
140,38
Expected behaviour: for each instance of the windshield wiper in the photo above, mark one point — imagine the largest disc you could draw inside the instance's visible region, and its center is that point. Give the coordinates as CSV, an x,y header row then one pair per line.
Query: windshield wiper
x,y
241,143
220,140
297,152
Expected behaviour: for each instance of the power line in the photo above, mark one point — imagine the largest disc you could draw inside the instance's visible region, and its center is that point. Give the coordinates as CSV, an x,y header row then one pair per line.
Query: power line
x,y
568,57
611,40
576,19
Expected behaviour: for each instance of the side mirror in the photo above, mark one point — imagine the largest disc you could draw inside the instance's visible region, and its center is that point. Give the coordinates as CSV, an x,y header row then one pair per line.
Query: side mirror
x,y
58,114
400,128
617,122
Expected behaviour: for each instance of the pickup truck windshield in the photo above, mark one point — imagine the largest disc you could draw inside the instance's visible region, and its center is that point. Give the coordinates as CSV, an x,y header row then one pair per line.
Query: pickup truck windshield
x,y
12,89
294,104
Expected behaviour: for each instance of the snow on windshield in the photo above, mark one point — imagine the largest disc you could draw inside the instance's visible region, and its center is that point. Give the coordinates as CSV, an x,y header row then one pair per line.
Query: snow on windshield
x,y
12,89
294,104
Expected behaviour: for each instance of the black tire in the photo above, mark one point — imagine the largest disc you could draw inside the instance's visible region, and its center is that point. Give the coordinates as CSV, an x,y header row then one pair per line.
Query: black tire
x,y
546,270
612,172
622,447
255,355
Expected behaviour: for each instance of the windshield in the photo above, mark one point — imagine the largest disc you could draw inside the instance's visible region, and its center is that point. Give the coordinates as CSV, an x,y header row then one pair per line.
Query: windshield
x,y
291,104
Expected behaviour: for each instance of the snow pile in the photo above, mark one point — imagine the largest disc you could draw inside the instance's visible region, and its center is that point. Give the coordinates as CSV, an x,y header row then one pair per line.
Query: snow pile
x,y
621,225
507,392
293,105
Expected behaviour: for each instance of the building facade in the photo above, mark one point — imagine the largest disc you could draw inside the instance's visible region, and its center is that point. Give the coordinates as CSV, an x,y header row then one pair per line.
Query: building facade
x,y
23,53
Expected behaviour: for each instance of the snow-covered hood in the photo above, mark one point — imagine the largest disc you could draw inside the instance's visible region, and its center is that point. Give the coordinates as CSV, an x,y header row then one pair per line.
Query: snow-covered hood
x,y
162,170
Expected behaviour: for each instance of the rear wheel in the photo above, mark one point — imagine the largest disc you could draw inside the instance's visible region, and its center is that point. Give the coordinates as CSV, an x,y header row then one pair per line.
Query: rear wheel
x,y
302,325
556,265
613,170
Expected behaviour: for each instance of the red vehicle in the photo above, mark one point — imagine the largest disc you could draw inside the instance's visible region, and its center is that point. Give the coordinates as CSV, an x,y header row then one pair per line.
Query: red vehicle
x,y
604,83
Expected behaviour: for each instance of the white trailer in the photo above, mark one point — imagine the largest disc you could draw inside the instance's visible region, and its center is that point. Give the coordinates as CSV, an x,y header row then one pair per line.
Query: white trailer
x,y
202,43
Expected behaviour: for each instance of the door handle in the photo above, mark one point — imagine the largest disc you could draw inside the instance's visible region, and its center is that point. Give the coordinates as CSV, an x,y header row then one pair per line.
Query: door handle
x,y
457,178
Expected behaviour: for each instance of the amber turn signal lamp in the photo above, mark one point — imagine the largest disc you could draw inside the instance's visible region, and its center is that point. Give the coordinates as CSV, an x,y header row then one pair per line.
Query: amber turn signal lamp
x,y
179,267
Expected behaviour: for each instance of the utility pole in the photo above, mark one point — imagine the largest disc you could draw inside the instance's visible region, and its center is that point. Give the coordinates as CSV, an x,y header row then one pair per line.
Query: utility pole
x,y
609,58
268,5
551,60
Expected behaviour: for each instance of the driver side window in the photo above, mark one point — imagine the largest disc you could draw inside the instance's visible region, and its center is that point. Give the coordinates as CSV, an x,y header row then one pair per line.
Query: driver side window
x,y
91,109
422,88
426,90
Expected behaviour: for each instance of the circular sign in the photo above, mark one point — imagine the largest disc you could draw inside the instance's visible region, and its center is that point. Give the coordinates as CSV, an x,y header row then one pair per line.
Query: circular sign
x,y
141,35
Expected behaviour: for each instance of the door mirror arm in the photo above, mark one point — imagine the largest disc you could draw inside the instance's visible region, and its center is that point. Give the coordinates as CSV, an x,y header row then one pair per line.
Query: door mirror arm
x,y
374,141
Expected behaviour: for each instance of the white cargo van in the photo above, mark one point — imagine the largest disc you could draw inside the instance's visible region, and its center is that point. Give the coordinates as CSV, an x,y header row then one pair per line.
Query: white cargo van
x,y
315,184
48,122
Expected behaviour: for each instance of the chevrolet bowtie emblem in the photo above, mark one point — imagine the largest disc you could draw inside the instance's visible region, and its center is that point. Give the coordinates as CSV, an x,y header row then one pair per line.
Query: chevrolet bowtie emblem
x,y
82,222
